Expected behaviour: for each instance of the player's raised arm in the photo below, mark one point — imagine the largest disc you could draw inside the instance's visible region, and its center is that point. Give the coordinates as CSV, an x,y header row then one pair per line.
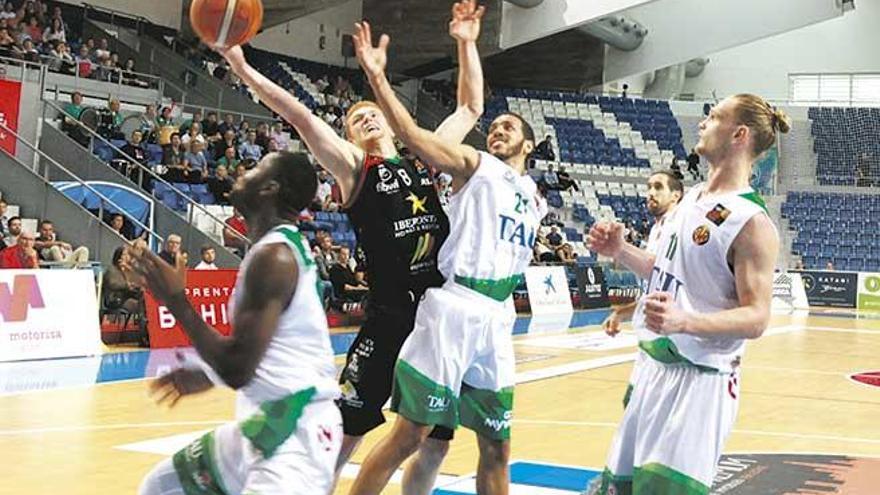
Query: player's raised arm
x,y
340,157
456,159
465,29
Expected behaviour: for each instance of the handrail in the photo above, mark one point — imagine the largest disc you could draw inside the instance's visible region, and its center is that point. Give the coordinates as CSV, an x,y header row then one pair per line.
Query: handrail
x,y
154,81
87,6
220,111
146,169
83,183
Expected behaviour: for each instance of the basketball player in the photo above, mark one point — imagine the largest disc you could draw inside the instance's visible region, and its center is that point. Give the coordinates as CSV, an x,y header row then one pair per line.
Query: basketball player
x,y
278,358
400,224
457,366
664,192
710,286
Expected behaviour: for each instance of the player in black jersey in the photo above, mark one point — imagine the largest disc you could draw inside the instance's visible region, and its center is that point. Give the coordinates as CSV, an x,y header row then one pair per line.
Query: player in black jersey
x,y
394,207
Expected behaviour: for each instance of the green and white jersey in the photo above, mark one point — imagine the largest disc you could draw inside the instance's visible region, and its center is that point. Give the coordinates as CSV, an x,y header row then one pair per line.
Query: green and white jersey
x,y
299,355
692,264
493,222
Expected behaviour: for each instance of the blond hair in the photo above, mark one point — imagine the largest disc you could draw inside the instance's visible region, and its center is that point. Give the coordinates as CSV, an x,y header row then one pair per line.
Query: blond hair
x,y
763,120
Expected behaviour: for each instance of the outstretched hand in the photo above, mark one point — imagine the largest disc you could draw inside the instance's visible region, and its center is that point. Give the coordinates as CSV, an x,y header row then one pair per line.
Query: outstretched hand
x,y
234,55
153,273
606,238
465,23
170,388
372,59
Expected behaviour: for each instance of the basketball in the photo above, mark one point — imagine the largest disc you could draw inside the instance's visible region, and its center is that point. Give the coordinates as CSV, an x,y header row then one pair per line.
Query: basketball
x,y
226,23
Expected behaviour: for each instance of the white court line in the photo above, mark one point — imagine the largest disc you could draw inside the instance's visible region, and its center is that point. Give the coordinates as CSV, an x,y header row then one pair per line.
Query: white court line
x,y
746,368
120,426
782,434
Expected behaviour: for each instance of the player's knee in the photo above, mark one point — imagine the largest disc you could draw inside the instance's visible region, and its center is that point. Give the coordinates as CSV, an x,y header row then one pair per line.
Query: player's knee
x,y
408,436
433,451
494,452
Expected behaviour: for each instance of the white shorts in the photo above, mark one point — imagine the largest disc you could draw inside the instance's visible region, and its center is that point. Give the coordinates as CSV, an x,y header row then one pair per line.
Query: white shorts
x,y
265,455
673,430
458,366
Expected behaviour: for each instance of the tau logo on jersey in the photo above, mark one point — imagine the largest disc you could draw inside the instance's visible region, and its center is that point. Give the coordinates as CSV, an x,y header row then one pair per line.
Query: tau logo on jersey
x,y
664,282
512,230
701,235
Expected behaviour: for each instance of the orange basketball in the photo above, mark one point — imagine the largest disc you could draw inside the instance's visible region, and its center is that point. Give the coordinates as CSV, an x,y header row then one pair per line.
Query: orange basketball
x,y
225,23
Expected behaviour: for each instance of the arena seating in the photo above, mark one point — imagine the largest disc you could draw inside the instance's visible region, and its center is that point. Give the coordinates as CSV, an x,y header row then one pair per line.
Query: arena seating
x,y
835,227
841,135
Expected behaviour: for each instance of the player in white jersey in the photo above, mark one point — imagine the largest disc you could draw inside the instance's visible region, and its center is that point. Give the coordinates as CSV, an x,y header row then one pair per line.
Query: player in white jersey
x,y
288,431
457,366
710,287
664,192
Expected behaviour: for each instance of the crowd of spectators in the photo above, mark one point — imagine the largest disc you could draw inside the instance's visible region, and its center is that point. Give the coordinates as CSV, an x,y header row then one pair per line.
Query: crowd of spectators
x,y
21,248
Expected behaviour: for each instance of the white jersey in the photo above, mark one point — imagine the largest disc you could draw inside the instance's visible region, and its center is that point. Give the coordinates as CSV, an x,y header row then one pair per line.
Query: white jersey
x,y
493,222
692,264
299,355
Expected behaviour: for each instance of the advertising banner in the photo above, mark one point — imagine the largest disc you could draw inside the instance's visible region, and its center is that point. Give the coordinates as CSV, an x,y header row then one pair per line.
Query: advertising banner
x,y
48,314
835,289
869,291
209,292
10,94
788,291
592,287
548,290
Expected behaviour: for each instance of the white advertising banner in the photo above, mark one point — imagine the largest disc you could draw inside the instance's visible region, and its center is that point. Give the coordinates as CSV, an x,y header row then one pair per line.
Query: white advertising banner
x,y
789,292
548,290
48,314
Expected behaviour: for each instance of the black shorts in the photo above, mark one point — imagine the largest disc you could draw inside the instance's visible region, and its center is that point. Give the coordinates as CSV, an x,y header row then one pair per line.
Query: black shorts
x,y
368,375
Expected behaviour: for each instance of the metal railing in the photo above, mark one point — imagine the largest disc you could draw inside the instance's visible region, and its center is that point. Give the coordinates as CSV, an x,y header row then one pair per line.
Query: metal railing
x,y
104,199
130,161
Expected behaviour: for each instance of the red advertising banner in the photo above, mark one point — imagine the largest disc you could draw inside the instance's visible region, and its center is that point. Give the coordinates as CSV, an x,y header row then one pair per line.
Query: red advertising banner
x,y
209,292
10,94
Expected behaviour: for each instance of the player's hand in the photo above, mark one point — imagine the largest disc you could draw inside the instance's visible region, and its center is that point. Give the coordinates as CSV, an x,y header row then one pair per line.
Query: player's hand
x,y
662,315
611,325
465,23
606,238
234,56
153,273
168,389
373,59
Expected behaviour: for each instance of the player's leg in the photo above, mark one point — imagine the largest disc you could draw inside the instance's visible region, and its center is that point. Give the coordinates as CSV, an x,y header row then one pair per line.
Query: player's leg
x,y
421,473
487,399
680,457
161,480
391,451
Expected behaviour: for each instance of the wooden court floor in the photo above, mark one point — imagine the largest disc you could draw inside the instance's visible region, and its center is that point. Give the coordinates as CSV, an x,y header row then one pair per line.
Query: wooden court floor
x,y
796,398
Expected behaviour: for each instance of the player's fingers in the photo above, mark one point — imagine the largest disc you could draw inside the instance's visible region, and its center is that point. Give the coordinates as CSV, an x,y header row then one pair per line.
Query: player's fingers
x,y
368,34
384,40
479,13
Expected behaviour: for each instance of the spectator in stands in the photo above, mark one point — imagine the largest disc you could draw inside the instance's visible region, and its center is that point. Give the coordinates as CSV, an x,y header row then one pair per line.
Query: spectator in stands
x,y
149,124
57,14
112,120
105,71
325,250
59,59
235,224
129,75
347,285
693,161
8,11
171,249
565,180
53,250
211,127
241,169
4,219
13,230
675,169
120,292
102,52
554,238
183,255
550,179
85,64
7,43
196,119
250,148
172,160
208,256
221,146
243,130
75,107
193,132
220,185
279,136
29,52
55,32
799,265
566,254
35,31
544,149
229,159
324,193
195,162
21,255
136,150
117,224
227,125
829,267
543,252
263,138
165,118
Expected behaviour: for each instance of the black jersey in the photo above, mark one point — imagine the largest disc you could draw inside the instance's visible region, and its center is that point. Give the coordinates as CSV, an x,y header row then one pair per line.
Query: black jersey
x,y
400,225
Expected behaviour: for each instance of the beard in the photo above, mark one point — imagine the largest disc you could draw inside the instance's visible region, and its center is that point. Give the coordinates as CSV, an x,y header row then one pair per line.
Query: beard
x,y
512,149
